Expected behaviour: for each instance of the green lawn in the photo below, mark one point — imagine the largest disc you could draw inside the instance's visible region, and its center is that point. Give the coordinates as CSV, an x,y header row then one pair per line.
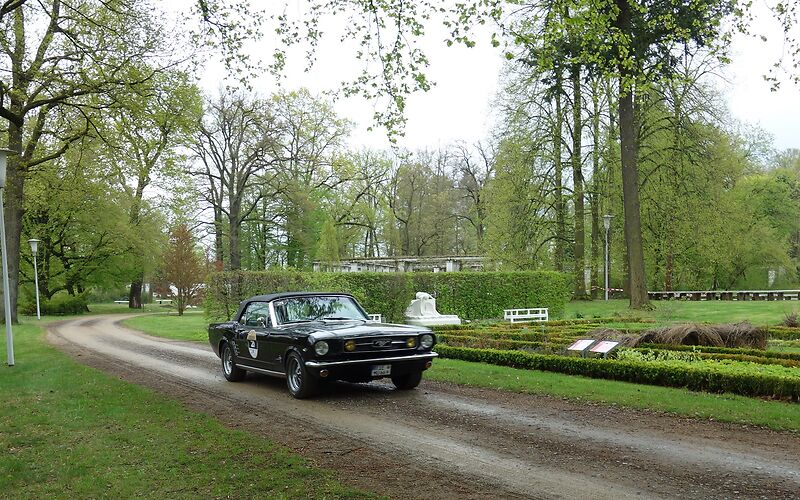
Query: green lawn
x,y
191,326
112,308
68,431
678,311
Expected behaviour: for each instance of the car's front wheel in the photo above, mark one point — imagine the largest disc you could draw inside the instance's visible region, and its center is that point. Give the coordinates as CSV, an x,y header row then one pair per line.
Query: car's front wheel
x,y
232,372
300,382
408,381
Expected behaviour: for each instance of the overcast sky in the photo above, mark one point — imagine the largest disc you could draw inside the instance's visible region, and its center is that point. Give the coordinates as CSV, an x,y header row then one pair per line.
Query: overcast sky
x,y
459,106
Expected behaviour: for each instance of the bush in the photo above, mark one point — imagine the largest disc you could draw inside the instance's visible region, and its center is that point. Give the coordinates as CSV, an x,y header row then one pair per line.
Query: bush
x,y
784,333
471,295
61,304
697,378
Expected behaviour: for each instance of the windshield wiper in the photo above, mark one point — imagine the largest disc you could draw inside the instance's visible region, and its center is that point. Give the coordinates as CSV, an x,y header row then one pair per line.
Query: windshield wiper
x,y
335,318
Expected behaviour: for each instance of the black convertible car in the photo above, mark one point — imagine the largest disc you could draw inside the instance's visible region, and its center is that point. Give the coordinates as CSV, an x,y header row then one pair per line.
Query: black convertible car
x,y
313,337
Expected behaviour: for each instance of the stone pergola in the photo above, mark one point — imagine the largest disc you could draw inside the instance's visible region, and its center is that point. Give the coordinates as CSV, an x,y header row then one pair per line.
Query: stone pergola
x,y
404,264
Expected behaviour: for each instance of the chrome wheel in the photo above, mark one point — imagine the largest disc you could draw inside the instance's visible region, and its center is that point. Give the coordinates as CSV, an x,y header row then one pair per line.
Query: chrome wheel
x,y
227,361
295,375
231,372
300,382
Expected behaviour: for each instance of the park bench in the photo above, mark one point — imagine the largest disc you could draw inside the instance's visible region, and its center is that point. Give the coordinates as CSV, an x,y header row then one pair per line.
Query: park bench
x,y
521,315
375,318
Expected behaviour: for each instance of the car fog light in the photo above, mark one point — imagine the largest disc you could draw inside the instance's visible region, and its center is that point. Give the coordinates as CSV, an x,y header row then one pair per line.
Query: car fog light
x,y
426,341
350,345
321,348
412,342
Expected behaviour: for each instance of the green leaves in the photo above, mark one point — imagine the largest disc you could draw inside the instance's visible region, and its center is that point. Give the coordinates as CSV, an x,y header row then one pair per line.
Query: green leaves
x,y
470,295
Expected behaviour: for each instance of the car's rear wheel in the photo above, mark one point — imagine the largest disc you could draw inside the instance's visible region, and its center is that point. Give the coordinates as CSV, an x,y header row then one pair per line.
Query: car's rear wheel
x,y
232,372
300,382
408,381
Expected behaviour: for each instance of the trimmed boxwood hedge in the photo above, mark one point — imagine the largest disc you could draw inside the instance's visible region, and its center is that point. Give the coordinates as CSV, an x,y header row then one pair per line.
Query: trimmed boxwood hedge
x,y
784,332
470,295
747,358
724,350
693,378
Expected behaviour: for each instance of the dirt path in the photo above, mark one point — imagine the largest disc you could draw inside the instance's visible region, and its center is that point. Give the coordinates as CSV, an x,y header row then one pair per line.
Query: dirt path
x,y
445,441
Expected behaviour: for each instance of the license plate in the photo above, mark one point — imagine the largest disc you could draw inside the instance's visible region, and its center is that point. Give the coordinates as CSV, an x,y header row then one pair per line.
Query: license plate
x,y
378,370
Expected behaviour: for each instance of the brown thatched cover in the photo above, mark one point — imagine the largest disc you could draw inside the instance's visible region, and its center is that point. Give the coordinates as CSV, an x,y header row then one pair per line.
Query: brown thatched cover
x,y
725,335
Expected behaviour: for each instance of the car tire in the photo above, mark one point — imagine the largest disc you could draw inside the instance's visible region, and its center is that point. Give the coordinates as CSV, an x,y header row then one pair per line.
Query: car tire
x,y
231,372
408,381
301,383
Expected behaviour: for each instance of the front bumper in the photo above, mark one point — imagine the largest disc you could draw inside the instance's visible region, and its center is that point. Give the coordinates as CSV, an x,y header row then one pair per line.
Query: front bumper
x,y
371,361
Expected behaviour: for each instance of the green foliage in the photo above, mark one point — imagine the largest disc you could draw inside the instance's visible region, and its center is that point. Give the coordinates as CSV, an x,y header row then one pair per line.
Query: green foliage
x,y
784,333
699,377
471,295
61,304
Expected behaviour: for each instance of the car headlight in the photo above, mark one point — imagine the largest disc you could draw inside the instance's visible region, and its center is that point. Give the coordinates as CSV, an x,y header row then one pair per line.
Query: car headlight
x,y
350,345
321,348
411,342
426,341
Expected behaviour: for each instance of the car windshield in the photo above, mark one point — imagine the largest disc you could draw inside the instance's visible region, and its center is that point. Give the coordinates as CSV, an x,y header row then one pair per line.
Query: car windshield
x,y
317,307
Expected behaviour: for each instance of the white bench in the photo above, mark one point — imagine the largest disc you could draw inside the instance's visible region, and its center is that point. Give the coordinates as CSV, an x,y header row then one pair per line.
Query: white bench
x,y
375,318
521,315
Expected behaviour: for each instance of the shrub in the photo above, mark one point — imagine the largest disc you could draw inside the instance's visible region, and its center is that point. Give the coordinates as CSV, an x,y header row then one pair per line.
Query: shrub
x,y
471,295
790,320
59,305
784,333
698,378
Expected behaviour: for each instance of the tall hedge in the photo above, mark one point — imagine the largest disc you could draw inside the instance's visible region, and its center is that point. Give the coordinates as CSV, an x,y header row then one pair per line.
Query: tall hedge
x,y
470,295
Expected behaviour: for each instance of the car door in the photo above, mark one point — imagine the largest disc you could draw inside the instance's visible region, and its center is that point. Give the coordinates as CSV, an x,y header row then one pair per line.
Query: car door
x,y
251,334
269,347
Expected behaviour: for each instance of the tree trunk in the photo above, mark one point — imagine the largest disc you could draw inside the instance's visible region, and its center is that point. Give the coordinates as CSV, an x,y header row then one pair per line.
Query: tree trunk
x,y
236,253
596,188
12,199
637,285
135,294
577,182
561,227
219,240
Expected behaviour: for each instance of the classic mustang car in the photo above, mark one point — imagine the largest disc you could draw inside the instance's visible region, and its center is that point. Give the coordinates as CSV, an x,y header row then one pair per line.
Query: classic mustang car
x,y
309,338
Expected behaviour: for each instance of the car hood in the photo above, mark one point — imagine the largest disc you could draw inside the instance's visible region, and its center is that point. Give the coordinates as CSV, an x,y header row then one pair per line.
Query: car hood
x,y
352,329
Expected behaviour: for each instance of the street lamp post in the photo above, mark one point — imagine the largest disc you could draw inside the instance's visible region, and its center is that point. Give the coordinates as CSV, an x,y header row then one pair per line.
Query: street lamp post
x,y
6,295
607,225
34,248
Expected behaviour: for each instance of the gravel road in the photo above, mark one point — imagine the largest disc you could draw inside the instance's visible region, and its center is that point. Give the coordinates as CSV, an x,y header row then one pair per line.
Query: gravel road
x,y
447,441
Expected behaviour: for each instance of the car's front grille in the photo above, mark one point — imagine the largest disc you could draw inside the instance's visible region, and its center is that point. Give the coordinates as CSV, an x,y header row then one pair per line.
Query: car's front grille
x,y
373,344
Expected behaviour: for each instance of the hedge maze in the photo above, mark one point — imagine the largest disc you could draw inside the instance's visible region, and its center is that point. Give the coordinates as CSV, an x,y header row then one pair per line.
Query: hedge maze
x,y
744,371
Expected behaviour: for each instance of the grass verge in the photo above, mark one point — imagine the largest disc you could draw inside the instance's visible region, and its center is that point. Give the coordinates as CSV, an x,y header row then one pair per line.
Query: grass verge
x,y
724,407
68,431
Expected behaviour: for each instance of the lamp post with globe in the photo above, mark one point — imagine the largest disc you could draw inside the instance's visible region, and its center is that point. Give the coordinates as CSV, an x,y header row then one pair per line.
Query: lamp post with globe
x,y
34,250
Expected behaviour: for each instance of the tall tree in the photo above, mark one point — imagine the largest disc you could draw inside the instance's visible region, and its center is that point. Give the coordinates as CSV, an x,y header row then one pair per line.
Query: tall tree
x,y
231,150
62,55
143,133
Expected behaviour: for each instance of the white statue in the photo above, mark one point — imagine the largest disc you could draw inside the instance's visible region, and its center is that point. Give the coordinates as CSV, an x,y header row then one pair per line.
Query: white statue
x,y
422,311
